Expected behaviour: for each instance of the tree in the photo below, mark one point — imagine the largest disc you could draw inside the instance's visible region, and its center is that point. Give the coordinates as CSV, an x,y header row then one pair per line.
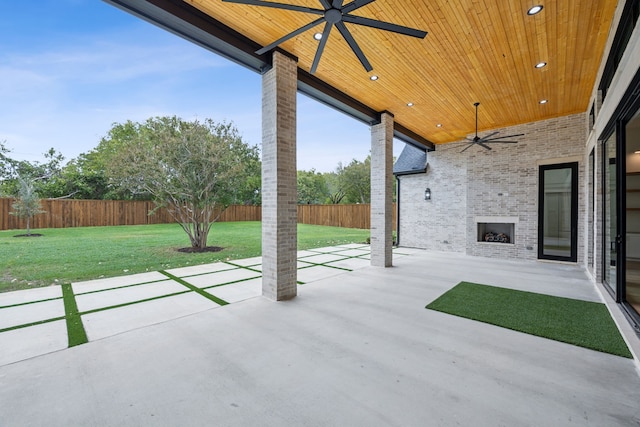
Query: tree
x,y
44,177
336,193
312,187
193,169
27,203
92,171
355,181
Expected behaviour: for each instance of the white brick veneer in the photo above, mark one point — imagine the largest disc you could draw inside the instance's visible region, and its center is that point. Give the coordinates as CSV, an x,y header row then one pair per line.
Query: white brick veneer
x,y
279,183
382,191
500,182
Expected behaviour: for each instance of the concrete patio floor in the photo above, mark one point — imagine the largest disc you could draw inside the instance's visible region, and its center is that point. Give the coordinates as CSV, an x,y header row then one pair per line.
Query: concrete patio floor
x,y
356,348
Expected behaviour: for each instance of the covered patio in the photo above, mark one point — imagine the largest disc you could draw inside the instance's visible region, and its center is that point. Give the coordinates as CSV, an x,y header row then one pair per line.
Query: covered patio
x,y
355,349
360,348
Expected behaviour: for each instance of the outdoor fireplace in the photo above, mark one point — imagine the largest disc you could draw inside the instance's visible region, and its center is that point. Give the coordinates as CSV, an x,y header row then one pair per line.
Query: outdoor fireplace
x,y
496,229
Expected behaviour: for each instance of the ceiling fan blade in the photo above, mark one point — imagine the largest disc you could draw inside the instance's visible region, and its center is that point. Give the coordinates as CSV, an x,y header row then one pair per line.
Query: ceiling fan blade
x,y
278,6
337,4
326,4
290,35
323,42
485,138
467,147
354,45
357,4
381,25
484,146
506,136
500,142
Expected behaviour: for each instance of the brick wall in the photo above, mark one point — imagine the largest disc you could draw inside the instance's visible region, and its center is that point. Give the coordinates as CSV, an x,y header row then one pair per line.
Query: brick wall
x,y
500,182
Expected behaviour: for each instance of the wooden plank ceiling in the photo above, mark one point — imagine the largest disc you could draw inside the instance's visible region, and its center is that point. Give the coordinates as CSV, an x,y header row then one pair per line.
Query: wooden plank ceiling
x,y
476,51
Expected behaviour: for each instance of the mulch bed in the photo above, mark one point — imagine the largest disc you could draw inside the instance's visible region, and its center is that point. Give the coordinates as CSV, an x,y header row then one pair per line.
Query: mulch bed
x,y
191,250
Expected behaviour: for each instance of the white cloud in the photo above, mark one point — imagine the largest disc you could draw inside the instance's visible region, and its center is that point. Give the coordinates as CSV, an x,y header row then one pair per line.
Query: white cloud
x,y
67,93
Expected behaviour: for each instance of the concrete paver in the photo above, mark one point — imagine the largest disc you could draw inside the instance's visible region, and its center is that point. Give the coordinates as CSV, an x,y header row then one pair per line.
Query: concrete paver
x,y
29,313
324,258
247,262
213,279
24,343
200,269
317,272
240,291
326,249
113,297
353,252
115,282
355,246
102,324
29,295
350,263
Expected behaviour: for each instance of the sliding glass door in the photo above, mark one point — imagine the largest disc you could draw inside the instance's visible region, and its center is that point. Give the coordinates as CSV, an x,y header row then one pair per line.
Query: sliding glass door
x,y
631,288
611,237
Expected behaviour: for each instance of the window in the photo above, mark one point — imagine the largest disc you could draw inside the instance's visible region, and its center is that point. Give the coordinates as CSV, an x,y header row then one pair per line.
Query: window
x,y
623,34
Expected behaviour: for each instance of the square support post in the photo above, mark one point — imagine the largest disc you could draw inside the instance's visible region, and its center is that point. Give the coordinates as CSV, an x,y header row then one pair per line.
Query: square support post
x,y
279,182
382,191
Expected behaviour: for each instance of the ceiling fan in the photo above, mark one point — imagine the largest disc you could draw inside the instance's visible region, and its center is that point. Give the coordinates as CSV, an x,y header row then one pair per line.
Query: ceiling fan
x,y
333,13
482,142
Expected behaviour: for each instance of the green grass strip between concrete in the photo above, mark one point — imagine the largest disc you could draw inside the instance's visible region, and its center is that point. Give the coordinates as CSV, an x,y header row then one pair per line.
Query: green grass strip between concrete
x,y
75,328
26,325
125,304
29,302
195,289
582,323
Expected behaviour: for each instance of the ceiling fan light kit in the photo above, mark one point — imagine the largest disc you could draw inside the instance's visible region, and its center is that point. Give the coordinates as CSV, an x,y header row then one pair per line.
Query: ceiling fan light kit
x,y
333,14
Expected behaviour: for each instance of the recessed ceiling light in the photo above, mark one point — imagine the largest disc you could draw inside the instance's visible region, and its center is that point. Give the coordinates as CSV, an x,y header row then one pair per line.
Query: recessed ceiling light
x,y
317,36
374,77
541,64
544,101
439,125
534,10
409,104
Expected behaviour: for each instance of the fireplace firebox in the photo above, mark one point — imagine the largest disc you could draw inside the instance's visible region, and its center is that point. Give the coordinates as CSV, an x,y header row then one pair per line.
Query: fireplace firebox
x,y
496,229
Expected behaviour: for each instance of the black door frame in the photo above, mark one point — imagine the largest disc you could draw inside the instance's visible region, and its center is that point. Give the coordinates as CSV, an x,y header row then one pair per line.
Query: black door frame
x,y
624,112
573,257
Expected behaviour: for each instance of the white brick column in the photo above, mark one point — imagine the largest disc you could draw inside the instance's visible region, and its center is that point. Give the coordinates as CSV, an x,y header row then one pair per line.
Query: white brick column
x,y
279,184
382,191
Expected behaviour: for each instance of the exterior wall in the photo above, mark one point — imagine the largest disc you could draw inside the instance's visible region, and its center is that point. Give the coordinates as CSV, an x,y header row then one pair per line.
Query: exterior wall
x,y
437,224
500,182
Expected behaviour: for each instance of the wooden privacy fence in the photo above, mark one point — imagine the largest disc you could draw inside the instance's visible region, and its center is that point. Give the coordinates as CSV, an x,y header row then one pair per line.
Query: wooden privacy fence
x,y
62,213
348,216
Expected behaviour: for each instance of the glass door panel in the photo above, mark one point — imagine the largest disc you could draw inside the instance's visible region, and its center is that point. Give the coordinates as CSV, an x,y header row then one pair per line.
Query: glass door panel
x,y
610,229
558,212
632,237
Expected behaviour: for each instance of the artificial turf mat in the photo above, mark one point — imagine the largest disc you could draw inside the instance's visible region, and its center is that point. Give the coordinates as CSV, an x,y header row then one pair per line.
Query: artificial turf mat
x,y
582,323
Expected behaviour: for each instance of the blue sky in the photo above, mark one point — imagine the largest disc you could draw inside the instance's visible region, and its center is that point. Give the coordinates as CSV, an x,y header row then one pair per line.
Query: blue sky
x,y
69,69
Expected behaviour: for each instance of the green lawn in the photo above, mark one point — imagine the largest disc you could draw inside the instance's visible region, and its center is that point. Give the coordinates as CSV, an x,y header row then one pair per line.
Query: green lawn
x,y
64,255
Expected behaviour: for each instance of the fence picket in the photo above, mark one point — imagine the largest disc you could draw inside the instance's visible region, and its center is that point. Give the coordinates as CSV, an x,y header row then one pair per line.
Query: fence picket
x,y
62,213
